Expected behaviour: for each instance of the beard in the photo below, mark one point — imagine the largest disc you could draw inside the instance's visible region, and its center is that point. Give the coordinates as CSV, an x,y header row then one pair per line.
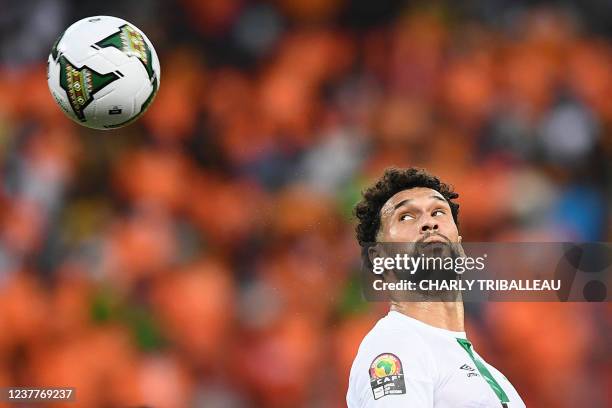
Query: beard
x,y
435,259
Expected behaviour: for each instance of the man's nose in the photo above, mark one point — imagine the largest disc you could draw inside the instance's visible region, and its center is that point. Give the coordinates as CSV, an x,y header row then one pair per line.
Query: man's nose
x,y
429,225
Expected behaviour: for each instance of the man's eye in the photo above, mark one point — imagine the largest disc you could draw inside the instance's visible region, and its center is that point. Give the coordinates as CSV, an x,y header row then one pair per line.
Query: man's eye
x,y
436,212
405,217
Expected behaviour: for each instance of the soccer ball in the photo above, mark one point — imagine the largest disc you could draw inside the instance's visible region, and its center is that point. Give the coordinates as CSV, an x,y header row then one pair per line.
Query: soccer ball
x,y
103,72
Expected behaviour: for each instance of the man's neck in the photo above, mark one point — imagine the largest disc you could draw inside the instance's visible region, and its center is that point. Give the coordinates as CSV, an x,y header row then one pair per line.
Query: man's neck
x,y
444,315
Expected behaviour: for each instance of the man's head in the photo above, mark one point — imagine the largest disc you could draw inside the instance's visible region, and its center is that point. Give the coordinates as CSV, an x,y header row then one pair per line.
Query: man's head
x,y
407,205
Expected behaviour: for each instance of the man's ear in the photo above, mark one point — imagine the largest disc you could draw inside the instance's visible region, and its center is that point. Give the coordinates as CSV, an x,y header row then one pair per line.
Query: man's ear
x,y
374,251
460,247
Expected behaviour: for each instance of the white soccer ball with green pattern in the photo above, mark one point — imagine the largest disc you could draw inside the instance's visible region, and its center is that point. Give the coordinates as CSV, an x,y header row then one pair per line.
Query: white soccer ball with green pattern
x,y
103,72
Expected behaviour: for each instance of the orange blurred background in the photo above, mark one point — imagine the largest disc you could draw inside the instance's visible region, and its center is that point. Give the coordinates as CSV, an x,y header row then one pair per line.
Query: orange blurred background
x,y
205,255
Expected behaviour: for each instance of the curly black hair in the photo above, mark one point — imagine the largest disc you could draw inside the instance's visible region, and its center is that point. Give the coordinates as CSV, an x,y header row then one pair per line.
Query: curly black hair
x,y
392,182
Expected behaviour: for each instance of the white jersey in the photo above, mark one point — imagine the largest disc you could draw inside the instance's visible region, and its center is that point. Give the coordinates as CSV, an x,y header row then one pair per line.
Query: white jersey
x,y
403,362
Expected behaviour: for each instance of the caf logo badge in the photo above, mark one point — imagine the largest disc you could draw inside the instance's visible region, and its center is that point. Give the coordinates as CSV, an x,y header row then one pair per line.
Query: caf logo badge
x,y
387,376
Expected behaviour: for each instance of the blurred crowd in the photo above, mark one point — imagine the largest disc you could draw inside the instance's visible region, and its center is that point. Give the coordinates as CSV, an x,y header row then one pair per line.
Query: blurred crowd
x,y
205,256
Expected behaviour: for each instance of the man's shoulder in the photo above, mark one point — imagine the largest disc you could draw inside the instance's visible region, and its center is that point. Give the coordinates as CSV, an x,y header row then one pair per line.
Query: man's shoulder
x,y
398,341
389,353
388,333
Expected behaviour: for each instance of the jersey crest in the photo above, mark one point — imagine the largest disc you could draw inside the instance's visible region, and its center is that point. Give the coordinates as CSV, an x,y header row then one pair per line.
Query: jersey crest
x,y
387,376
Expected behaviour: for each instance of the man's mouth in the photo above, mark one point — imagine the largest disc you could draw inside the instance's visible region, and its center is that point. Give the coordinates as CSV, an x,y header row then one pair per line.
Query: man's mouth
x,y
435,238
